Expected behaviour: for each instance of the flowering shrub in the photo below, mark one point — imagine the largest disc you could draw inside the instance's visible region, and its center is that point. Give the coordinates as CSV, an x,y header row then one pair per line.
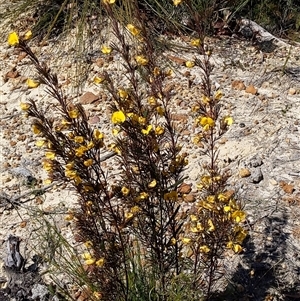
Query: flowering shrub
x,y
139,240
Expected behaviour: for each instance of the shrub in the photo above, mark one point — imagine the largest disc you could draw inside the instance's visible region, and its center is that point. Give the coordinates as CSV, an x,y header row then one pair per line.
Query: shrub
x,y
140,242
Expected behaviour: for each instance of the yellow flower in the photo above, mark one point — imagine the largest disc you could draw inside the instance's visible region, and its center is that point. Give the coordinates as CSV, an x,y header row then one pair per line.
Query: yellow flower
x,y
152,101
98,80
100,262
79,152
72,174
147,130
106,49
141,60
228,120
159,130
210,199
238,216
135,209
195,42
125,190
79,139
122,93
69,165
160,110
190,64
173,241
13,39
88,244
142,120
204,249
207,123
40,143
47,165
177,2
65,122
171,196
50,155
98,135
73,114
32,83
28,35
118,117
36,129
69,217
115,131
88,162
47,181
186,240
128,215
24,106
237,248
226,208
90,145
133,30
205,99
143,195
193,218
109,1
218,95
152,184
156,71
90,261
211,226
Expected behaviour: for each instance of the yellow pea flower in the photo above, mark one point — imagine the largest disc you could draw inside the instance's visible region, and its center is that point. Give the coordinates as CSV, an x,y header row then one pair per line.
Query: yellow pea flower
x,y
211,226
142,120
125,190
73,114
88,244
79,152
69,217
152,184
118,117
173,241
109,1
195,42
128,215
147,130
190,64
100,262
79,139
205,99
159,130
47,181
90,145
141,60
193,218
152,101
98,135
106,49
88,162
50,155
98,80
90,261
204,249
156,71
31,83
123,93
47,165
177,2
40,143
115,131
237,248
228,120
13,39
133,30
186,240
218,95
143,195
238,216
36,129
24,106
207,123
160,110
28,35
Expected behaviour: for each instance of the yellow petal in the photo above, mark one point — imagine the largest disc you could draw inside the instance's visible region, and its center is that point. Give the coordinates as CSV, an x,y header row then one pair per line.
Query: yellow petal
x,y
100,262
141,60
13,39
28,35
204,249
88,162
118,117
50,155
106,49
98,80
25,106
32,83
195,42
237,248
125,190
133,30
190,64
152,184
